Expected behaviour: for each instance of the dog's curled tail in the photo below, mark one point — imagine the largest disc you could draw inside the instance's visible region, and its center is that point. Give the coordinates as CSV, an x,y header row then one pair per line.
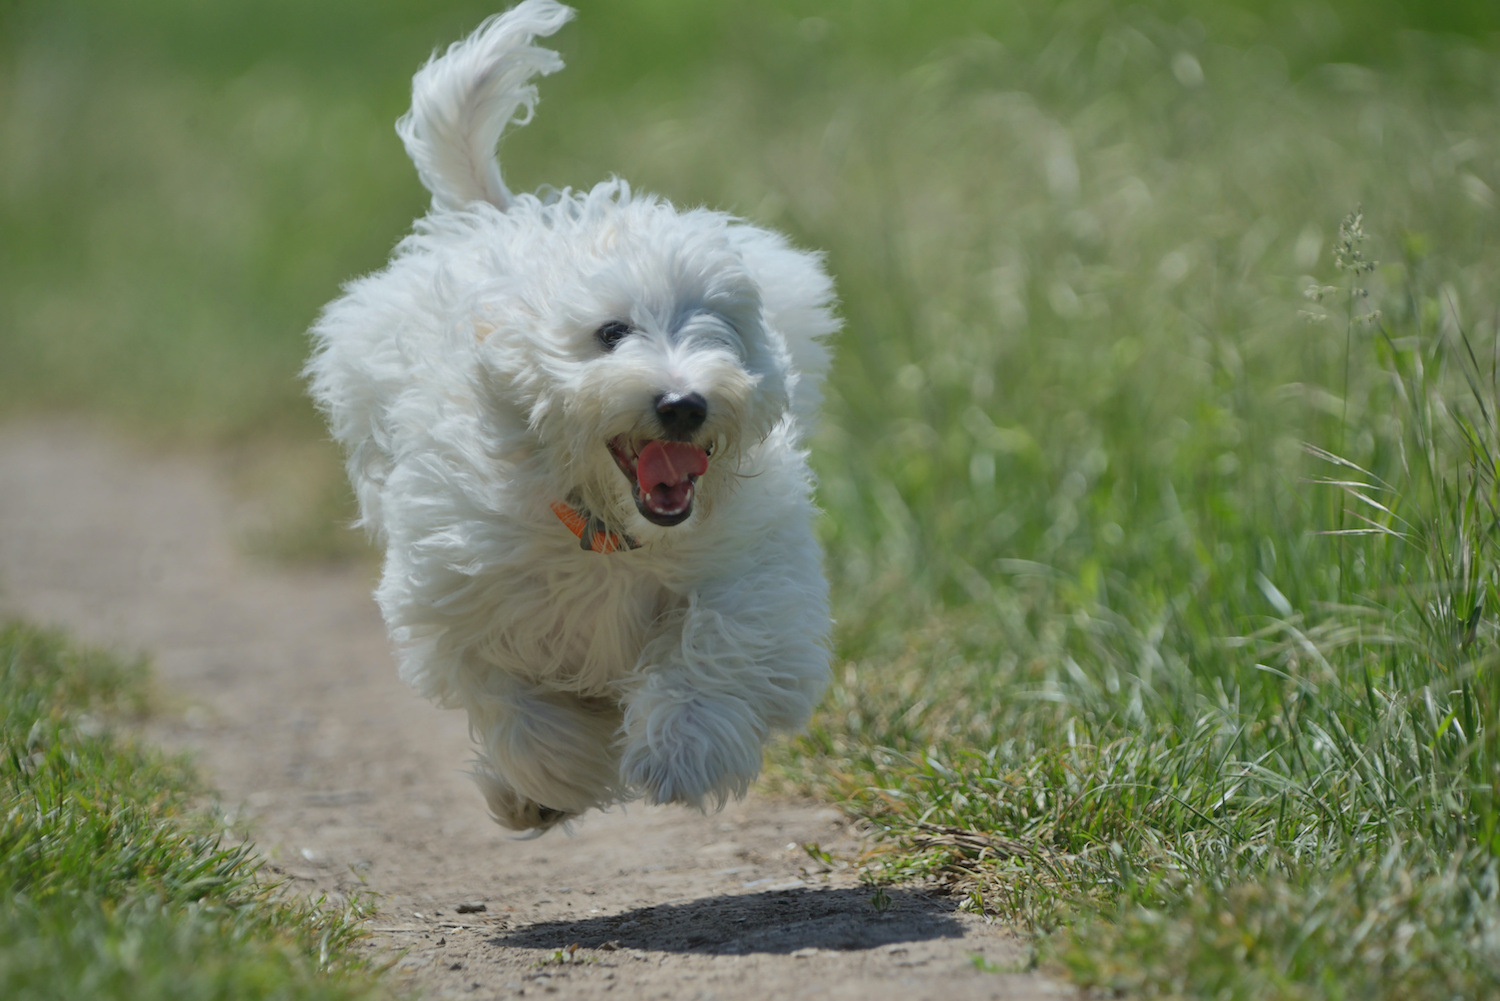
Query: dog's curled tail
x,y
463,100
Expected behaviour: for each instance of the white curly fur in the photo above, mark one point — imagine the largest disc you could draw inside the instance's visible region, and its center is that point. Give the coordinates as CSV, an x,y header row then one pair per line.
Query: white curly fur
x,y
471,390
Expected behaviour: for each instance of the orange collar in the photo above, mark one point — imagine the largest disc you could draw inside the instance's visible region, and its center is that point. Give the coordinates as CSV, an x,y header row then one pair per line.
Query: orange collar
x,y
592,536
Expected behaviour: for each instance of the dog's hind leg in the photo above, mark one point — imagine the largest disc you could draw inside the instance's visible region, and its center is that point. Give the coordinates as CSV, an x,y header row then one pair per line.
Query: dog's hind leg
x,y
544,757
509,808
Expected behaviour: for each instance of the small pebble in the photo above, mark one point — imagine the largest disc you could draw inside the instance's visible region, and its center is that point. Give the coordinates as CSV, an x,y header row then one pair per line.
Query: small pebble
x,y
472,908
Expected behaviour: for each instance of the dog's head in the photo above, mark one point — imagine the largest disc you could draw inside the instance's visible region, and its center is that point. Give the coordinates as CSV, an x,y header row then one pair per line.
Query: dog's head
x,y
632,342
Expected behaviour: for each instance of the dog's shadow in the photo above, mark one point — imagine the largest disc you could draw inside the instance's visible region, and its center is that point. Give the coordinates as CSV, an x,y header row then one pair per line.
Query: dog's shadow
x,y
781,921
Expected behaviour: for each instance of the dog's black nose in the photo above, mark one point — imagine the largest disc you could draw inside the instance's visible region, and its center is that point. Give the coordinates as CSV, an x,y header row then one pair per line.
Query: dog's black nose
x,y
681,414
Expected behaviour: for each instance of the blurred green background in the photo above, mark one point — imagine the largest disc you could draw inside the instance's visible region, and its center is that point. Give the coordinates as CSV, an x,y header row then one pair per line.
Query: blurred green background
x,y
1001,188
1085,587
185,183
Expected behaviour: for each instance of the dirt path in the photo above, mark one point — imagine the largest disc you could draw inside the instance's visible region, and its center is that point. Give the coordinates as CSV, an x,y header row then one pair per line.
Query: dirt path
x,y
351,782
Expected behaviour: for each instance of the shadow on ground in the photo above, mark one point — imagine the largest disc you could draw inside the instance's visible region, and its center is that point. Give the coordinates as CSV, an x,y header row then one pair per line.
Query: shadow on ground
x,y
781,921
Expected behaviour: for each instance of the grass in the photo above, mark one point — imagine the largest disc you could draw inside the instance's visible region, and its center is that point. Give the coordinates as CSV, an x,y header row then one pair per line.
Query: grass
x,y
1166,593
114,886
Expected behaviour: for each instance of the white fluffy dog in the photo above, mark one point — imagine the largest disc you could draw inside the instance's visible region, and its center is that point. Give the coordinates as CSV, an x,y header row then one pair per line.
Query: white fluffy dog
x,y
576,423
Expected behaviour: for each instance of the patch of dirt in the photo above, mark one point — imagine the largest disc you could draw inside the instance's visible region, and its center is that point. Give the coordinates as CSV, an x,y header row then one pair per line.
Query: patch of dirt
x,y
350,783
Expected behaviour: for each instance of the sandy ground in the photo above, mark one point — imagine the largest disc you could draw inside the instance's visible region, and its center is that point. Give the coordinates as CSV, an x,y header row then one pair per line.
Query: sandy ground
x,y
349,782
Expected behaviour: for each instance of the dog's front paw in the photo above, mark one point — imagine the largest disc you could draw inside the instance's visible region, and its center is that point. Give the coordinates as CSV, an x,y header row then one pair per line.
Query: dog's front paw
x,y
693,750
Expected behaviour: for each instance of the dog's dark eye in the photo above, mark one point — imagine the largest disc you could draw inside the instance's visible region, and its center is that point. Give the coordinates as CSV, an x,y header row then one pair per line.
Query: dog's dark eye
x,y
612,333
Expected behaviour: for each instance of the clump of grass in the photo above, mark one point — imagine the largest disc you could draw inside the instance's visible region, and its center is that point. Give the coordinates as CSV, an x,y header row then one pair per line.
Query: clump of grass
x,y
1305,808
1392,927
113,886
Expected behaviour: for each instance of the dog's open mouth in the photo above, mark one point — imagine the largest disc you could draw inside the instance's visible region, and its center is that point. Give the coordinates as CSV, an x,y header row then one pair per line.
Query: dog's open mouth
x,y
662,475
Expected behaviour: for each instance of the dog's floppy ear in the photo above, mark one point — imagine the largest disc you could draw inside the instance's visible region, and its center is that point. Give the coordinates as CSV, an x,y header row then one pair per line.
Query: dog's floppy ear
x,y
463,100
799,301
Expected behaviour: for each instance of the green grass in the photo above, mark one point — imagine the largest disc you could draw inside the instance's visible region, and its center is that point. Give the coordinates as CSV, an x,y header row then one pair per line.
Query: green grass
x,y
1105,664
113,885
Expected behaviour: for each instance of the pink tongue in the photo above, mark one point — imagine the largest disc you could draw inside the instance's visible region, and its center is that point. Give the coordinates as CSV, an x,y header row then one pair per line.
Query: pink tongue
x,y
663,471
669,463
